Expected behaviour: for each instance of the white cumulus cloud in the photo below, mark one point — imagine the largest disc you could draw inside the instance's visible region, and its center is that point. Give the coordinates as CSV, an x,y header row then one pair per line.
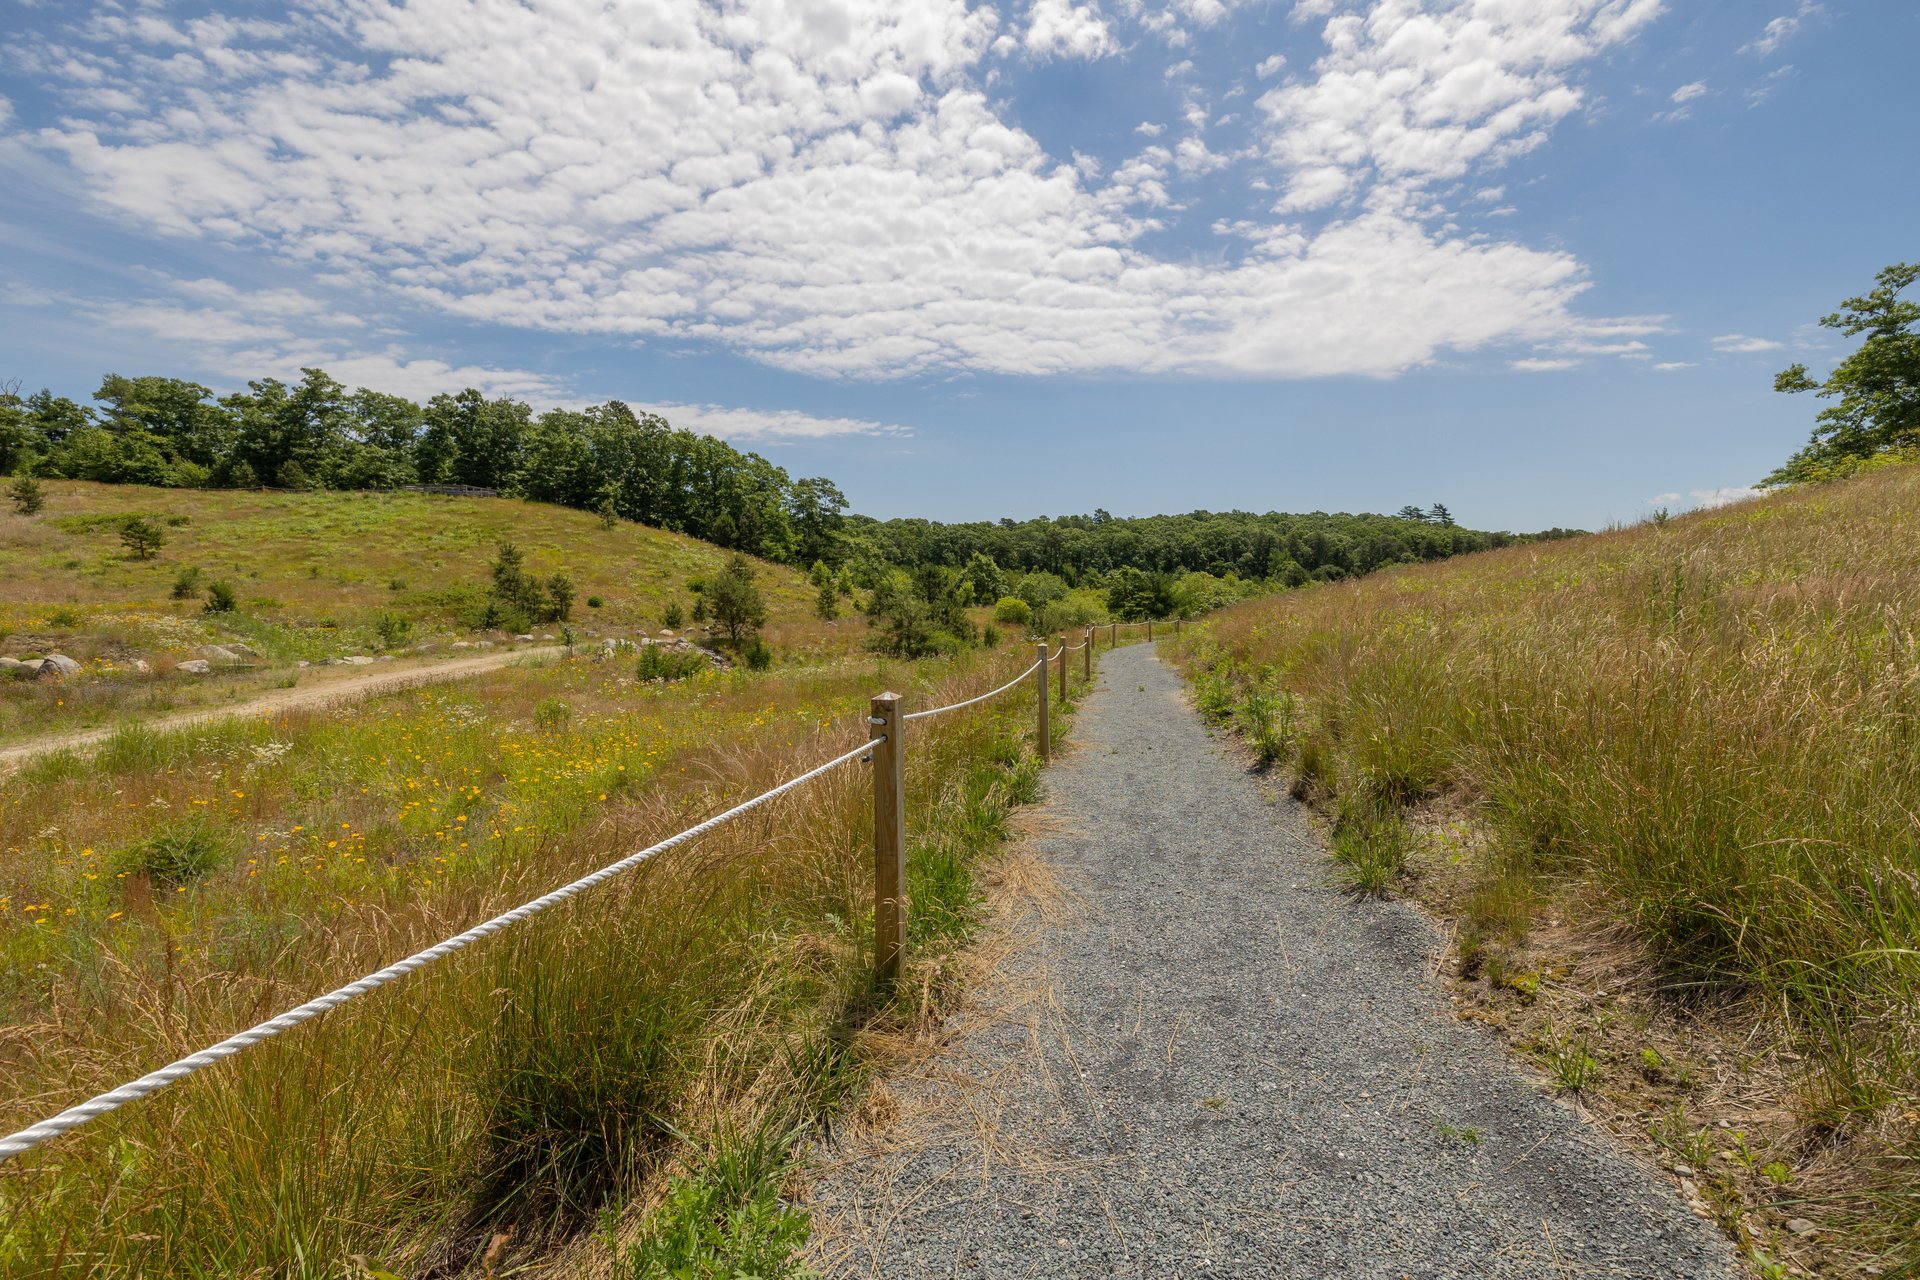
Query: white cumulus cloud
x,y
826,187
776,424
1688,92
1067,29
1741,344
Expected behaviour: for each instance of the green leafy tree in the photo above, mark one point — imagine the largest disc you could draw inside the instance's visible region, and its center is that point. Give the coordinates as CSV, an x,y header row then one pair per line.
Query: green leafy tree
x,y
1877,388
734,603
826,601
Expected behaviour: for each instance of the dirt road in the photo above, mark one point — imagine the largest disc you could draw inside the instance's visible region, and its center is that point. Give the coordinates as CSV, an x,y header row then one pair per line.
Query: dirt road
x,y
350,689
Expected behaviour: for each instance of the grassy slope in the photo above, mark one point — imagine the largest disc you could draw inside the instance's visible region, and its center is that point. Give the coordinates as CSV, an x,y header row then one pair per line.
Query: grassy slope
x,y
1706,733
311,571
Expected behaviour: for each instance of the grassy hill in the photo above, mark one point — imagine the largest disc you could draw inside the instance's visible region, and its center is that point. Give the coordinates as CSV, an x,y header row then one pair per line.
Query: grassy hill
x,y
312,573
1695,741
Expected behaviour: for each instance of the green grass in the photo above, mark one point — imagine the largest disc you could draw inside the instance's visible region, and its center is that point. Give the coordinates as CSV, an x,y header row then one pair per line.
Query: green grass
x,y
1710,726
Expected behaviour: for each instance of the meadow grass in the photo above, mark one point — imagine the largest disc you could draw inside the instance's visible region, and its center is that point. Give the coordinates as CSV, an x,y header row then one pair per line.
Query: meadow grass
x,y
314,574
186,885
1712,724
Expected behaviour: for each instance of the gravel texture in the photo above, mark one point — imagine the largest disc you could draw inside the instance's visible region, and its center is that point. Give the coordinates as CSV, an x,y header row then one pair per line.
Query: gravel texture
x,y
1225,1066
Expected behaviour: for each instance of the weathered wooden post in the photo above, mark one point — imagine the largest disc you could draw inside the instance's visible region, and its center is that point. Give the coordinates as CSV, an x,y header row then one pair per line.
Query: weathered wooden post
x,y
1149,628
1040,671
1176,625
1086,658
886,727
1113,634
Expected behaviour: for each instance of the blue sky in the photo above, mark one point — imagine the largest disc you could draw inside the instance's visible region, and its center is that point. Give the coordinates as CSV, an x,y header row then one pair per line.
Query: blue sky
x,y
1536,259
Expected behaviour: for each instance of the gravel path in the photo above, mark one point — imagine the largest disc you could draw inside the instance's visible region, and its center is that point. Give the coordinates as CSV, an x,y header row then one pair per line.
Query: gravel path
x,y
1224,1066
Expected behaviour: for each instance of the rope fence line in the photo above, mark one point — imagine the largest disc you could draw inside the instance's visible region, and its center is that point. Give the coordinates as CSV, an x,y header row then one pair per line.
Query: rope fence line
x,y
940,711
883,748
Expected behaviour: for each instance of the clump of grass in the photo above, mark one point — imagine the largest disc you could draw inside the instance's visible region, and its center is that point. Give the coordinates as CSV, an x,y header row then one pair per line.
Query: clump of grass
x,y
177,856
1372,841
659,662
1571,1063
723,1219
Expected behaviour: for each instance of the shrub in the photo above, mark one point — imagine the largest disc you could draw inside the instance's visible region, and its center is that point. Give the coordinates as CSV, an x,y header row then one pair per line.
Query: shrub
x,y
758,656
176,856
672,618
660,662
826,602
989,637
559,598
552,714
1014,611
593,602
28,497
220,598
392,629
143,537
186,583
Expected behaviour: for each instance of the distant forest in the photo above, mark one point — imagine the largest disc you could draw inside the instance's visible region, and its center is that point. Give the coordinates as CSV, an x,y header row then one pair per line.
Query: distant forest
x,y
316,434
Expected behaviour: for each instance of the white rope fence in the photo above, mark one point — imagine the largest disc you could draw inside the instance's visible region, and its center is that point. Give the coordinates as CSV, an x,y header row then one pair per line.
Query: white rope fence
x,y
940,711
154,1081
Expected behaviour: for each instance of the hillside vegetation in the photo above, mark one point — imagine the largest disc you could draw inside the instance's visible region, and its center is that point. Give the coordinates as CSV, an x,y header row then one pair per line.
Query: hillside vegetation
x,y
1704,731
316,576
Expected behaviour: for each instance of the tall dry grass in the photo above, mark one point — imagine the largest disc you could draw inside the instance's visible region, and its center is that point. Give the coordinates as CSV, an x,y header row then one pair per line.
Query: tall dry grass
x,y
526,1083
1714,720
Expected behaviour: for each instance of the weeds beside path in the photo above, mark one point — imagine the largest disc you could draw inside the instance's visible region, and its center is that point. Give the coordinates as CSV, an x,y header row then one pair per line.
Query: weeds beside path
x,y
347,689
1229,1067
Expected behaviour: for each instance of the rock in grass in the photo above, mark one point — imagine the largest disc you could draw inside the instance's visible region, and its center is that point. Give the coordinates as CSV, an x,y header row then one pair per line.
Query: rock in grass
x,y
1800,1226
56,665
195,667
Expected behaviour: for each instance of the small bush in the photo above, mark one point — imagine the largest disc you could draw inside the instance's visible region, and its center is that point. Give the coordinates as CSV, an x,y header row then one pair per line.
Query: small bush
x,y
759,657
672,618
186,583
64,618
142,537
989,637
177,856
28,497
220,598
552,714
1013,611
393,629
658,662
593,602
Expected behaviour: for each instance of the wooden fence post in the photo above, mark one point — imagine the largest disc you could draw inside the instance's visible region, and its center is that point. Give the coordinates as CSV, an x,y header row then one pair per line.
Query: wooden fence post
x,y
1086,658
886,727
1176,626
1149,628
1046,742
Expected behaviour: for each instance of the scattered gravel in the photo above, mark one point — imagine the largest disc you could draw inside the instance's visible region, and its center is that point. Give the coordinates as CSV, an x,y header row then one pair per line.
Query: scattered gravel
x,y
1225,1066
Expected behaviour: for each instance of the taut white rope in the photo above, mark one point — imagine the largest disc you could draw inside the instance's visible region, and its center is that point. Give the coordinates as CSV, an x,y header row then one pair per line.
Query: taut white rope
x,y
936,711
73,1117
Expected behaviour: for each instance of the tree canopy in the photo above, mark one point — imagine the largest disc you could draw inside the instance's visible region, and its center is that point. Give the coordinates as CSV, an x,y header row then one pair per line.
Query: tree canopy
x,y
1876,388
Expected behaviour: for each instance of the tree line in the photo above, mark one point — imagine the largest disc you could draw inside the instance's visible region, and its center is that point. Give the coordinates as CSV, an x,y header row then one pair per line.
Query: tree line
x,y
316,434
1287,550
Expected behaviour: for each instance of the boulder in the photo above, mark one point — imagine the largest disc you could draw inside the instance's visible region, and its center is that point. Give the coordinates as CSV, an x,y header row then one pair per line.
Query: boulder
x,y
11,666
217,653
303,663
356,660
56,665
528,637
142,666
463,644
195,667
244,650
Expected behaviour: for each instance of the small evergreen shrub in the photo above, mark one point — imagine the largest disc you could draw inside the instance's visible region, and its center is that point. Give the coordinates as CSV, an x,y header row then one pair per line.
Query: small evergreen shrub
x,y
220,599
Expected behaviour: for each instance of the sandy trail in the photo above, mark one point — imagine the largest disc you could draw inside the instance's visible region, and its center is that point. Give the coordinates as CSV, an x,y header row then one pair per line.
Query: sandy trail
x,y
350,689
